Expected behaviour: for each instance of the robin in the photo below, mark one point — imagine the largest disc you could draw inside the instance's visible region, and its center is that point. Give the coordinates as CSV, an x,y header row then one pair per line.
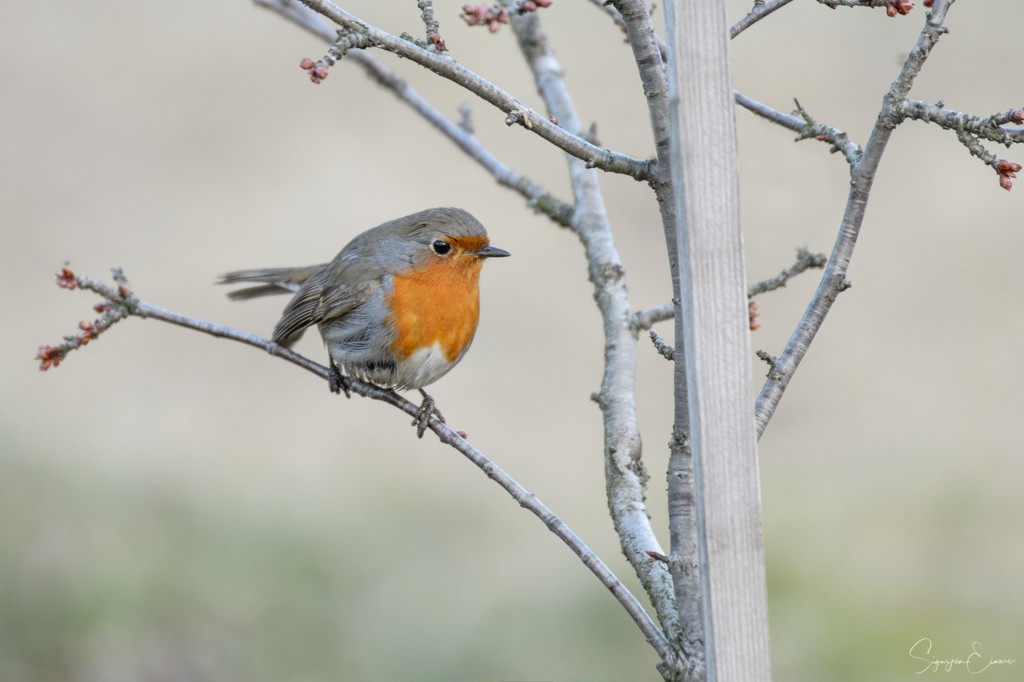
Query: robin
x,y
398,307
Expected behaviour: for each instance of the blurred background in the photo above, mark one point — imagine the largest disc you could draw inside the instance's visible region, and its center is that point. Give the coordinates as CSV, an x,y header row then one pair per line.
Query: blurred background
x,y
174,506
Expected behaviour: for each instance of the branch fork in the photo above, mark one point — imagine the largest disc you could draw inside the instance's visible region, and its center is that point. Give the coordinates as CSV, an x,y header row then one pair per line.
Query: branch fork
x,y
971,130
347,40
120,303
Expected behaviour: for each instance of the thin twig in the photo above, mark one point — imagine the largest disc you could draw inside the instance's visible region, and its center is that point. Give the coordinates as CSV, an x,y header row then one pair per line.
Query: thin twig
x,y
516,112
771,360
645,319
970,130
612,11
991,128
833,280
892,7
805,127
839,140
789,121
1007,170
51,356
301,16
760,10
664,350
804,261
434,39
123,299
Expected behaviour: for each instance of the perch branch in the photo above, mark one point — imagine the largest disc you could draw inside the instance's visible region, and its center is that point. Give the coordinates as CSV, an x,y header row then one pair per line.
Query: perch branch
x,y
122,299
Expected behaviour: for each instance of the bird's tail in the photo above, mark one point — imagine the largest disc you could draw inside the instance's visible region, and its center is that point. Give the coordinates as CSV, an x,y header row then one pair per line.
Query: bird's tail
x,y
271,281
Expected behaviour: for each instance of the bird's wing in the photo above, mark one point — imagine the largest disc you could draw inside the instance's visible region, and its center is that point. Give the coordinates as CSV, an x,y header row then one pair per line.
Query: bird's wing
x,y
329,294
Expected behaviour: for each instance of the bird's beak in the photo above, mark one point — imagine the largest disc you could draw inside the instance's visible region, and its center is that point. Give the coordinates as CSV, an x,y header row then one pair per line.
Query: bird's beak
x,y
492,252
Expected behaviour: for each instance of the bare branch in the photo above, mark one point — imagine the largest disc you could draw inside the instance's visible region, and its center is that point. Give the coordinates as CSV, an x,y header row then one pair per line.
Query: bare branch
x,y
647,53
991,128
515,110
493,16
839,140
771,360
833,280
645,319
51,356
120,298
612,13
539,198
625,475
616,16
346,40
301,16
434,38
483,14
1007,170
560,211
970,130
806,127
892,7
804,261
790,121
760,10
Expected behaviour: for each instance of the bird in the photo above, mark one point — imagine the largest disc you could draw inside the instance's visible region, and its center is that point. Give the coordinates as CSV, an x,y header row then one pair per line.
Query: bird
x,y
397,307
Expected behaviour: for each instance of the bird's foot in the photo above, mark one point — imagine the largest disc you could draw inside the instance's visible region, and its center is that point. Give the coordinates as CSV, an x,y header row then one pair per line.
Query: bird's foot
x,y
338,382
427,410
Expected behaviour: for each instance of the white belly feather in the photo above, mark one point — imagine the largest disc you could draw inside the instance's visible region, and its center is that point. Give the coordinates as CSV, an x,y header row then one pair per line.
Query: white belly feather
x,y
423,367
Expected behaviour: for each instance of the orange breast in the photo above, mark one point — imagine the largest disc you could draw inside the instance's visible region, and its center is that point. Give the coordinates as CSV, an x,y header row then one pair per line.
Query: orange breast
x,y
438,304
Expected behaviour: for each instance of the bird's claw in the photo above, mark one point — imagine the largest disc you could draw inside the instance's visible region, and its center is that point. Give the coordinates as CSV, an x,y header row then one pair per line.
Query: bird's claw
x,y
427,410
338,382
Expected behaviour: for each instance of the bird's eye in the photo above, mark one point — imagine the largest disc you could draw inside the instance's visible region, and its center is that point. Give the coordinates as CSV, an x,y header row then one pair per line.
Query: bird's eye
x,y
440,247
